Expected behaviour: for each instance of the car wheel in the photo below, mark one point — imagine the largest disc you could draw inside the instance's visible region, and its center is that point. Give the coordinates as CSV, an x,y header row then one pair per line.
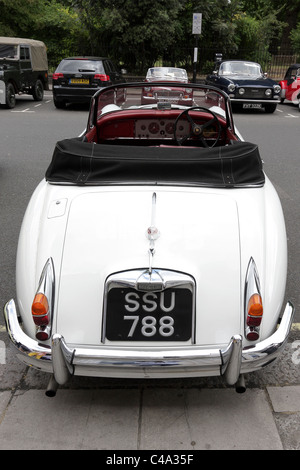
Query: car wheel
x,y
270,108
38,91
10,96
59,104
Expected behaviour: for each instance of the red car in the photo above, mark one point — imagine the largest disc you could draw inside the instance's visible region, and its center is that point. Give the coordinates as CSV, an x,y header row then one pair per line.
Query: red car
x,y
166,94
290,86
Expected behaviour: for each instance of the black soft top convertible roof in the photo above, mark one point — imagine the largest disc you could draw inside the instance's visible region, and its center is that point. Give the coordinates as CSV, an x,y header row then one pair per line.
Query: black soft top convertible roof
x,y
83,163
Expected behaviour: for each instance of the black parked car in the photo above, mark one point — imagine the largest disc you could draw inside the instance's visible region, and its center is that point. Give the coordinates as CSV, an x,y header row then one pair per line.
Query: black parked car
x,y
23,69
246,84
77,79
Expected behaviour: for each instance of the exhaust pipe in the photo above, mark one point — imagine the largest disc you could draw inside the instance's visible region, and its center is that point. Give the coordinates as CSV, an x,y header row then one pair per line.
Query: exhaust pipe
x,y
52,387
240,386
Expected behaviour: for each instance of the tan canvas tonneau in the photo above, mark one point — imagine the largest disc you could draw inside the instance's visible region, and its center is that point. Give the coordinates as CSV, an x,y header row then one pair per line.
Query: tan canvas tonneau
x,y
38,51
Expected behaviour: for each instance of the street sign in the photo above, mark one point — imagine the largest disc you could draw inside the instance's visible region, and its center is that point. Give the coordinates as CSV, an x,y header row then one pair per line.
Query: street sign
x,y
197,23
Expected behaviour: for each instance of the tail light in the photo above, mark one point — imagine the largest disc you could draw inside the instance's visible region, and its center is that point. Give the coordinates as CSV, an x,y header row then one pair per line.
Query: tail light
x,y
253,303
102,76
40,310
56,76
42,305
255,310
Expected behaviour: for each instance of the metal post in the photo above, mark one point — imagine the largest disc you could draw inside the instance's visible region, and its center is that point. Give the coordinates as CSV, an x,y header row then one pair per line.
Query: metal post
x,y
196,30
195,59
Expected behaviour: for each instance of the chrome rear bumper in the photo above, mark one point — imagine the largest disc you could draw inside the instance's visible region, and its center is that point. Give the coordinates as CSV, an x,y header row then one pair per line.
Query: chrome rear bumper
x,y
64,361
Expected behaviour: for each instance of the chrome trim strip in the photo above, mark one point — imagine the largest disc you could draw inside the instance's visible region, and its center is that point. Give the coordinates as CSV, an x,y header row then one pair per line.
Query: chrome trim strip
x,y
176,362
46,286
252,286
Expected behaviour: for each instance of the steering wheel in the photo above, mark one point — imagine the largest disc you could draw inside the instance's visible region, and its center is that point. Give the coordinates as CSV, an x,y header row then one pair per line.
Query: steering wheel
x,y
197,130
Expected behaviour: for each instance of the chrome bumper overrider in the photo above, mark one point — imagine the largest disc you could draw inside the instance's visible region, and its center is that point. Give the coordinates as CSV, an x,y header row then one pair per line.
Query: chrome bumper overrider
x,y
64,361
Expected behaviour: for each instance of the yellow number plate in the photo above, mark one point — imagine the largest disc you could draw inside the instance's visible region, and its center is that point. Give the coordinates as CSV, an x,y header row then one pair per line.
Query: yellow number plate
x,y
81,81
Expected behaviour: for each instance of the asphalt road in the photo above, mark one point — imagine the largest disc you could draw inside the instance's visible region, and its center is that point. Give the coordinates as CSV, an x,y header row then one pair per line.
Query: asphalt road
x,y
28,134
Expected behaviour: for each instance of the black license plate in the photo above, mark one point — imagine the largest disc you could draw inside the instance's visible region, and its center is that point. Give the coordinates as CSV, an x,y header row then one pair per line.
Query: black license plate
x,y
132,315
252,105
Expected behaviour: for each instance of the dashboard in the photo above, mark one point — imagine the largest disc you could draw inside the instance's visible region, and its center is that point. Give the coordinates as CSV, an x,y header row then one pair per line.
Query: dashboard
x,y
160,128
150,129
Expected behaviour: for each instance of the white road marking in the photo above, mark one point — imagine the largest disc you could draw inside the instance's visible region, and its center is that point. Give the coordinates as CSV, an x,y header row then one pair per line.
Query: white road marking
x,y
27,110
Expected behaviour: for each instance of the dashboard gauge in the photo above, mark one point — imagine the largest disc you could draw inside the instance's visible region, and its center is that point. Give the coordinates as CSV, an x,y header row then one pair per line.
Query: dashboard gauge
x,y
153,128
170,128
209,132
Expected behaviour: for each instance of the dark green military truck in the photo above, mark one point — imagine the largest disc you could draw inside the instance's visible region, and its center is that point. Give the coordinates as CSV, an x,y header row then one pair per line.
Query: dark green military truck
x,y
23,69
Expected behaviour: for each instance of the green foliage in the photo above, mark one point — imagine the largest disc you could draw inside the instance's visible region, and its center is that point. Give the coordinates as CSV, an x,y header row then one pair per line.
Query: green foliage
x,y
295,39
138,33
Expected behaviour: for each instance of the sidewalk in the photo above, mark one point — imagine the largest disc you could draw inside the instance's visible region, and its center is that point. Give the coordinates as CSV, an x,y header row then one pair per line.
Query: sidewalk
x,y
155,419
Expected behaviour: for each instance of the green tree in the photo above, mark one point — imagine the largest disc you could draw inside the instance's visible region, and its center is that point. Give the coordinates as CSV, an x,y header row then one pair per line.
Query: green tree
x,y
17,16
295,39
137,33
50,21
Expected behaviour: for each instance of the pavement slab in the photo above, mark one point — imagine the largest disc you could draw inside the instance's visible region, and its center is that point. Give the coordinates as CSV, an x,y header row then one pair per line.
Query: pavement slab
x,y
138,419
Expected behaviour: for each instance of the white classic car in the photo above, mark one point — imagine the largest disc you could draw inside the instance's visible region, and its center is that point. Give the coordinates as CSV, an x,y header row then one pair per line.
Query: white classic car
x,y
155,247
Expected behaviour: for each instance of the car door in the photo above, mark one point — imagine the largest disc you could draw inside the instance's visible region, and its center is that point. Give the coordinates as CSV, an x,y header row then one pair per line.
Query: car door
x,y
293,83
25,66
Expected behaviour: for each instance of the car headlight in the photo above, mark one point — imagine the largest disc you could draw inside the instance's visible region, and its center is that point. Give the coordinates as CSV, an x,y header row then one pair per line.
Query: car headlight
x,y
242,91
268,92
231,87
277,88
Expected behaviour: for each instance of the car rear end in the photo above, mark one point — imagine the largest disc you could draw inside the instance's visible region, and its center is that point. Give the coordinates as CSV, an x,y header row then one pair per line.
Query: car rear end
x,y
156,283
76,80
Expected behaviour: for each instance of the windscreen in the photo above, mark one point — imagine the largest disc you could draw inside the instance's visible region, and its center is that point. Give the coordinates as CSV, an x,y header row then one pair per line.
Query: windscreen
x,y
249,69
159,96
167,73
80,65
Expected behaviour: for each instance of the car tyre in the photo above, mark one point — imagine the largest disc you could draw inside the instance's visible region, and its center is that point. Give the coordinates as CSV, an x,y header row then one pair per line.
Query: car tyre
x,y
10,96
59,104
270,108
38,91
